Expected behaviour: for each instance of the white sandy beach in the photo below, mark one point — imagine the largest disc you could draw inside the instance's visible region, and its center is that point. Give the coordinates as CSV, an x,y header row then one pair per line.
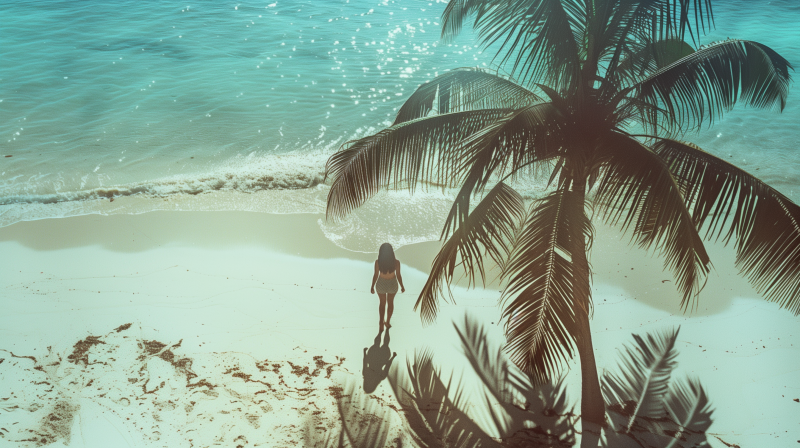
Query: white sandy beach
x,y
253,298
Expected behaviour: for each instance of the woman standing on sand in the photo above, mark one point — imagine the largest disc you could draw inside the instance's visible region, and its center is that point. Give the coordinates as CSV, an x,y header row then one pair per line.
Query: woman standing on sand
x,y
385,279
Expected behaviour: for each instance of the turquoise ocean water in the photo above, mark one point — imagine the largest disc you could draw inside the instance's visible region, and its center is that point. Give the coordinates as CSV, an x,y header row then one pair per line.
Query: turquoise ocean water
x,y
162,101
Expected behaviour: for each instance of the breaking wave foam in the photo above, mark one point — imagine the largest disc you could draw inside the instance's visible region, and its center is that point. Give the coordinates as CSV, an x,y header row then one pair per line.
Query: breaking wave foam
x,y
243,174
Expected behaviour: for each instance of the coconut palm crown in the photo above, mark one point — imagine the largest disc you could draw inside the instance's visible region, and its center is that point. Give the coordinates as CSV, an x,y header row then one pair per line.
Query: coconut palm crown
x,y
604,90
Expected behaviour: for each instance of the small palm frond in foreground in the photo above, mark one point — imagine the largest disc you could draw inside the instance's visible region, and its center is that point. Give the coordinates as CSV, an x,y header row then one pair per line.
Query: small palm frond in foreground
x,y
689,408
524,413
435,410
365,423
645,408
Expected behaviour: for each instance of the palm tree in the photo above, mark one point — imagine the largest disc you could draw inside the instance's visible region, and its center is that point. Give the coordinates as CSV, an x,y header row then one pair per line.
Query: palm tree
x,y
604,90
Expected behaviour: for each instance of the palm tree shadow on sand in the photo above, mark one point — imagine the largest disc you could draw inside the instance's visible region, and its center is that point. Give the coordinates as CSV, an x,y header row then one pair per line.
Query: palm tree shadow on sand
x,y
645,407
377,362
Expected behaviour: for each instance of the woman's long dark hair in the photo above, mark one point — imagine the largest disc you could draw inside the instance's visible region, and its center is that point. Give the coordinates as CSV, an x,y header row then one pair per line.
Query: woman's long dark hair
x,y
386,260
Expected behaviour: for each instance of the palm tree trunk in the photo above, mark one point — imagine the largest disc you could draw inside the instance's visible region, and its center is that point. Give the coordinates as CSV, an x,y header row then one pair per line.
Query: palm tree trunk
x,y
592,405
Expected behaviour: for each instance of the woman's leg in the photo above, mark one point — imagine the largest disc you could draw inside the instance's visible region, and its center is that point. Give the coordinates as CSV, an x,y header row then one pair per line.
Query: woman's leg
x,y
390,310
382,306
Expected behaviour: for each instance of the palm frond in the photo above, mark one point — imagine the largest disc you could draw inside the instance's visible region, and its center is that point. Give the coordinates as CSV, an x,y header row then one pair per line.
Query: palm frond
x,y
465,89
457,12
675,18
708,82
649,57
653,20
621,34
312,438
490,364
494,372
519,140
766,223
514,142
669,19
607,26
538,38
545,405
435,409
529,414
637,188
364,421
646,408
484,231
540,318
640,391
689,407
424,149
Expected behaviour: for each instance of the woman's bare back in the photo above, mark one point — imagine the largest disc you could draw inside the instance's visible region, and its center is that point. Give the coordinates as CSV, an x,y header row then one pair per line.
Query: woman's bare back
x,y
388,275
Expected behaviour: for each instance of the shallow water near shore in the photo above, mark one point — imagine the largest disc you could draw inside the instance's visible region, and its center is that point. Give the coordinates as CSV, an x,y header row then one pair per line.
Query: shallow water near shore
x,y
162,101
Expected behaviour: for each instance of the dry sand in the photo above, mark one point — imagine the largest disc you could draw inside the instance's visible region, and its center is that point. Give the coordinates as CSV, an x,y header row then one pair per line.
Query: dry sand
x,y
276,317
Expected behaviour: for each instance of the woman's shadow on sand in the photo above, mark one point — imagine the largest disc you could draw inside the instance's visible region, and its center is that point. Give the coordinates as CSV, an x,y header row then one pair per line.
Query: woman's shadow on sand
x,y
377,361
